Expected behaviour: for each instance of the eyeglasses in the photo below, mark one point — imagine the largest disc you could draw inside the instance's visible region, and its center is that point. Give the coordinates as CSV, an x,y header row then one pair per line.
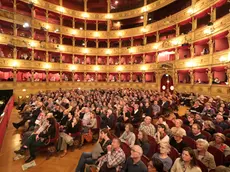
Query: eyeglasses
x,y
135,151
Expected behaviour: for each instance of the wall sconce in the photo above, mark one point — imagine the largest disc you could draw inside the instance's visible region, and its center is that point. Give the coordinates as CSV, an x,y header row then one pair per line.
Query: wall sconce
x,y
163,87
85,15
143,68
27,97
26,25
61,48
47,26
24,90
144,30
108,16
47,66
20,97
85,51
119,68
61,9
131,50
14,64
32,44
108,52
73,32
72,68
225,59
120,34
144,9
209,30
156,46
190,11
175,42
96,34
96,68
190,64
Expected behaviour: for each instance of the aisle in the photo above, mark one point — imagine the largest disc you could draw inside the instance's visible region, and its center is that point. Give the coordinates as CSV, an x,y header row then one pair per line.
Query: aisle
x,y
54,164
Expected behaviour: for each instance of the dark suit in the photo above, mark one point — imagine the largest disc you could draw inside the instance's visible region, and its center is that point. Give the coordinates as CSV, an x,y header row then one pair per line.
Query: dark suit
x,y
165,107
137,117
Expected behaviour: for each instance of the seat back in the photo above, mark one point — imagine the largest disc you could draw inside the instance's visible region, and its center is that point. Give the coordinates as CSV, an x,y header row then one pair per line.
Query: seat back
x,y
126,149
170,123
218,155
225,132
218,129
173,154
189,142
98,118
207,135
145,160
153,146
202,166
55,139
187,129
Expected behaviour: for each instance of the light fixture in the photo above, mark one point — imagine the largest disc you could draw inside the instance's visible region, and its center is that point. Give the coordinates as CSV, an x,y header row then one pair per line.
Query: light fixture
x,y
108,16
47,26
61,48
209,30
26,25
83,44
120,34
47,66
142,17
116,2
72,68
96,68
144,30
24,90
85,15
85,51
156,46
163,87
74,32
167,81
143,68
20,97
144,9
166,74
190,64
33,44
56,30
131,50
81,28
166,53
14,63
190,11
119,68
27,96
223,59
171,87
62,9
175,42
150,19
108,52
96,34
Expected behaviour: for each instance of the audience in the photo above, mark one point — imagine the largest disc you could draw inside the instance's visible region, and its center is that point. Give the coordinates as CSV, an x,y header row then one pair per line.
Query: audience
x,y
78,111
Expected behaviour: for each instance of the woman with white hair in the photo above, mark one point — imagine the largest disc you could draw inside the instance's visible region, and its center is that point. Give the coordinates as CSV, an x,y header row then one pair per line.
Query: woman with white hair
x,y
163,155
203,155
178,124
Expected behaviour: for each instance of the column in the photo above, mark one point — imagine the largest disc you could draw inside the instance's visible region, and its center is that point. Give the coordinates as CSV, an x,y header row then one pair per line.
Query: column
x,y
192,50
85,76
143,77
228,75
72,76
213,14
176,54
143,59
32,73
131,77
32,54
32,21
119,77
60,57
228,37
191,76
96,76
177,29
15,75
194,23
61,76
108,11
107,76
15,53
60,2
210,76
176,77
157,36
211,46
47,56
85,5
47,79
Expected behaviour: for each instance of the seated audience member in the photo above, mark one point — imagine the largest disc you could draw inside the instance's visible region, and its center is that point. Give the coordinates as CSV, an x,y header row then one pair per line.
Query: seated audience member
x,y
72,127
134,163
161,135
155,165
128,136
196,107
86,116
31,118
137,114
165,105
178,124
37,140
99,149
147,110
121,120
107,120
203,155
220,122
219,143
198,118
222,168
223,112
163,156
114,158
190,120
208,110
209,127
196,132
186,163
142,141
86,131
177,140
147,126
155,109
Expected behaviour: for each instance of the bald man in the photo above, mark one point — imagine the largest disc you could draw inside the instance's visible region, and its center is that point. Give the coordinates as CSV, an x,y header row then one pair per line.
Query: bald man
x,y
134,163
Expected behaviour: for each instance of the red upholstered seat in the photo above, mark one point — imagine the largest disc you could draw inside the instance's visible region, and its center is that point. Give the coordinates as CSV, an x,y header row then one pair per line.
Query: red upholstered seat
x,y
126,149
190,142
207,135
153,146
145,160
174,154
225,132
218,155
202,166
170,123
